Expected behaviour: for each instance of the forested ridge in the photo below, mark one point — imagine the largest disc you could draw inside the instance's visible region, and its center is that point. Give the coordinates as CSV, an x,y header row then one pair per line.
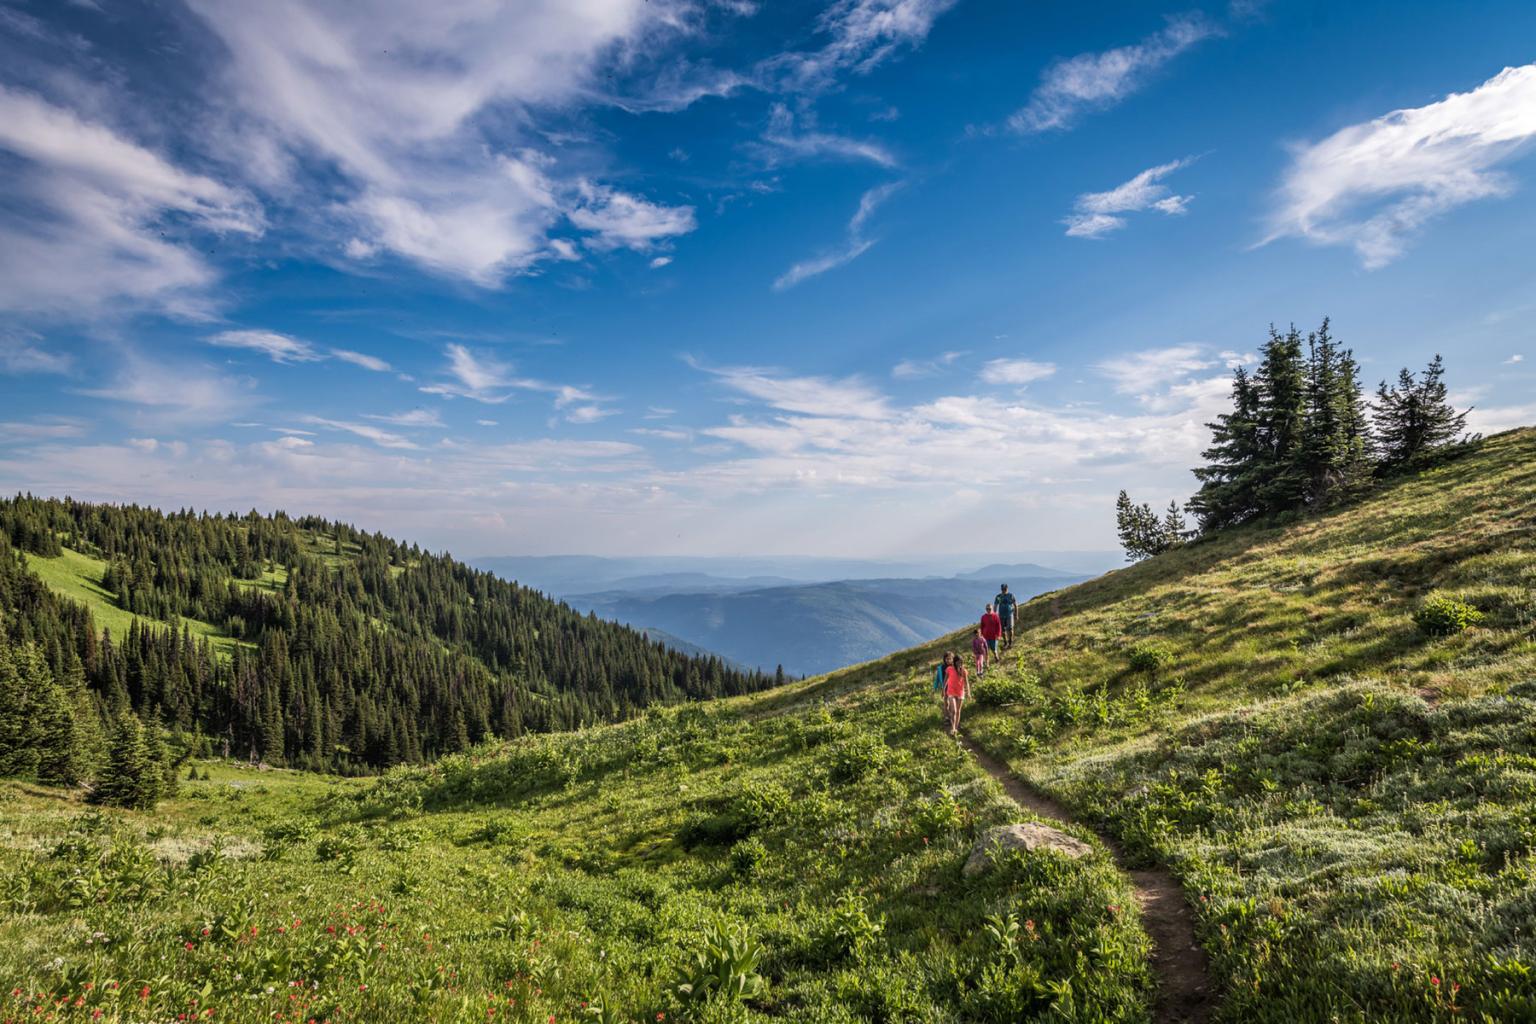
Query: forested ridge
x,y
353,651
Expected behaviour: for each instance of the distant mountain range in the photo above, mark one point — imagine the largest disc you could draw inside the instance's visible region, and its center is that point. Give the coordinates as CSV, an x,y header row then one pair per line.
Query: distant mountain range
x,y
765,613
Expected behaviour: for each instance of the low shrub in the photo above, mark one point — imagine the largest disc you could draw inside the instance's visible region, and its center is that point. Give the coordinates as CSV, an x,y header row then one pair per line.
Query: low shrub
x,y
856,757
1444,615
1150,656
1002,691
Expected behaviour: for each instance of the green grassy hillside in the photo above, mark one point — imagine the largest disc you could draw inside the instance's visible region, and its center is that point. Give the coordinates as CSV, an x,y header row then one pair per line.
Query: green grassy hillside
x,y
1348,801
78,577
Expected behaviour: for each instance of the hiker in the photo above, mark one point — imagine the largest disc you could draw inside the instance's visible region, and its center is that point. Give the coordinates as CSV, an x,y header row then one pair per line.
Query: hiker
x,y
991,629
957,687
1006,606
938,677
979,651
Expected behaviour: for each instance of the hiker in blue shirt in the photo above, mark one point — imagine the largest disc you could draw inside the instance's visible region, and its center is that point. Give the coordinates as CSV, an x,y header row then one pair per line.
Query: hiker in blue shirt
x,y
938,677
1005,606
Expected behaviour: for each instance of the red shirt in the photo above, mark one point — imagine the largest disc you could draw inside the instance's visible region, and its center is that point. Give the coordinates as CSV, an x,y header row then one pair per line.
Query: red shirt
x,y
954,682
991,626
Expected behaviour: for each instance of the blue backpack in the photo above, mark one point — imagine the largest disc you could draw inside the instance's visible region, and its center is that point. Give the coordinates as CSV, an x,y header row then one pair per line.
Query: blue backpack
x,y
938,679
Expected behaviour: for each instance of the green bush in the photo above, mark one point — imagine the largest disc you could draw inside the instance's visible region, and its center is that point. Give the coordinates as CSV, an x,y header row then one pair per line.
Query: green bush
x,y
1002,691
1443,615
857,757
748,857
725,969
1150,656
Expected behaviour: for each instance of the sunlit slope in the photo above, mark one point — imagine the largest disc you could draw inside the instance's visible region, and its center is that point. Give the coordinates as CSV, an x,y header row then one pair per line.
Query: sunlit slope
x,y
1350,800
803,852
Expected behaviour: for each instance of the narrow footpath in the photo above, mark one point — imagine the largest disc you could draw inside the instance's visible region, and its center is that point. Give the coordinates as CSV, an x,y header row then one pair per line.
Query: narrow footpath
x,y
1184,991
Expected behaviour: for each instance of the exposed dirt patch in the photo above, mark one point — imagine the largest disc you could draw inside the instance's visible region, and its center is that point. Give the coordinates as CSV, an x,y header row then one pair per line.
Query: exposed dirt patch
x,y
1184,991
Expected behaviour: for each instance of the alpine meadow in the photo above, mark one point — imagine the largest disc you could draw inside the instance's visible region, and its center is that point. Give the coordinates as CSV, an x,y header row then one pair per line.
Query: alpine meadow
x,y
723,512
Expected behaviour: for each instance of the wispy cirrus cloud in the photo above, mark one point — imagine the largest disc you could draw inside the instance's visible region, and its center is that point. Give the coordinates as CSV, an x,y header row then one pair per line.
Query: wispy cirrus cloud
x,y
912,369
856,245
23,351
284,348
103,221
1373,185
862,34
484,378
410,418
815,396
161,394
280,348
785,140
1096,214
1091,82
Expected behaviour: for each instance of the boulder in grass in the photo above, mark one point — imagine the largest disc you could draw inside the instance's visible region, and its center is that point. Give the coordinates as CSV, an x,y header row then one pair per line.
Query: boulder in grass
x,y
1029,836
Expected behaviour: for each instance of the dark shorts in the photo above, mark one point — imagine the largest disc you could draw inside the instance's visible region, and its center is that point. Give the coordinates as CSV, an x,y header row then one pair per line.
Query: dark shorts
x,y
992,646
1008,624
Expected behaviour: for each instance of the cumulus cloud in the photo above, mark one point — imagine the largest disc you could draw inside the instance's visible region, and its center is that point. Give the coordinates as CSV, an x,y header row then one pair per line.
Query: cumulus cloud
x,y
96,220
1145,372
1373,185
856,245
1095,214
620,220
1516,358
1097,81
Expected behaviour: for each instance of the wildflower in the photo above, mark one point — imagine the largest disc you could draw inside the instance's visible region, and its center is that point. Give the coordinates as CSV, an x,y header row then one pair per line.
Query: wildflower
x,y
1434,981
188,945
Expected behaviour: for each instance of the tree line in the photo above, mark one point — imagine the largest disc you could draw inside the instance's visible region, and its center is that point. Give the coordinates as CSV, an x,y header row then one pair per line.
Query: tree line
x,y
1300,435
343,650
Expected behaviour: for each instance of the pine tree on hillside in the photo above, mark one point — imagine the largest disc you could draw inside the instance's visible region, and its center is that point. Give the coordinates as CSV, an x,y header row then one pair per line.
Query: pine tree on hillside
x,y
131,778
1415,417
1142,533
1229,482
1333,451
19,691
1282,385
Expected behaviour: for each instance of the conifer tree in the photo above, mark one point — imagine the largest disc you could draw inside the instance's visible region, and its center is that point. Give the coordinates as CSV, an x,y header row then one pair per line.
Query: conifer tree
x,y
131,778
1282,388
18,710
1332,457
1415,417
1142,533
1229,482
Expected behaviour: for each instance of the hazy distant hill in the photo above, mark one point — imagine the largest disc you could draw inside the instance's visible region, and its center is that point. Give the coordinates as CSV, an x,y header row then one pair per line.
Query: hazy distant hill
x,y
816,627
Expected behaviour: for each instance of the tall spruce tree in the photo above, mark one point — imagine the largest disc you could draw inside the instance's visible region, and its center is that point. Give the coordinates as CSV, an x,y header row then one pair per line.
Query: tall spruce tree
x,y
131,776
1415,417
1229,482
1282,384
1142,533
1332,456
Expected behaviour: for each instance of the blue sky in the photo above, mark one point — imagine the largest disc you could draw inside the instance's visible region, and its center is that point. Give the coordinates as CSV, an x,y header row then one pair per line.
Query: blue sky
x,y
864,278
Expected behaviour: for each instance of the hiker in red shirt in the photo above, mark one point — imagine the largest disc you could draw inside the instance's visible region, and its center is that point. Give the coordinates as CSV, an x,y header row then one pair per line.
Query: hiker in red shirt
x,y
991,629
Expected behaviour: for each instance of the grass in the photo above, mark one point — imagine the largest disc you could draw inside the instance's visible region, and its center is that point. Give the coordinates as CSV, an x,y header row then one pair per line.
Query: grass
x,y
1348,799
810,854
78,576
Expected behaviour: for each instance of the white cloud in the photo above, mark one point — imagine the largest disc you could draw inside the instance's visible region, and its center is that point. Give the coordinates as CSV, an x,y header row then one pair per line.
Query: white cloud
x,y
911,369
412,418
816,396
588,414
94,220
484,378
620,220
280,348
1096,81
664,433
367,362
783,140
1516,358
42,429
178,395
1500,418
382,438
25,352
855,246
1017,371
864,33
429,114
485,423
1373,185
1095,214
660,261
1142,373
